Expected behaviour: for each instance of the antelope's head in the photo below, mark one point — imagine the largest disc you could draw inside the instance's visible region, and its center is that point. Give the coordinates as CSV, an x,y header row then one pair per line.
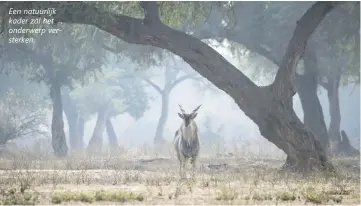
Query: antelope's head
x,y
187,118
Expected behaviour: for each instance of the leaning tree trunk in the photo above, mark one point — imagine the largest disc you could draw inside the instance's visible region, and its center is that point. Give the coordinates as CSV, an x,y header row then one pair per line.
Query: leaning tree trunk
x,y
307,91
57,126
112,136
75,122
158,139
96,141
282,127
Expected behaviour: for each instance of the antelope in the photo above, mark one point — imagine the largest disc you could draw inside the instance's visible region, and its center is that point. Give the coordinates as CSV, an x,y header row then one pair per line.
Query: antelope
x,y
186,141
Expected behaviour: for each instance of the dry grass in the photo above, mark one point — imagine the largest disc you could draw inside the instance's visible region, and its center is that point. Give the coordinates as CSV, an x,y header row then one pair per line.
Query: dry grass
x,y
120,179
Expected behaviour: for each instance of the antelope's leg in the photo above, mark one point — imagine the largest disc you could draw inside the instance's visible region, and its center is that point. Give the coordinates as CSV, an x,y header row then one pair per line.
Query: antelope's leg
x,y
193,162
181,169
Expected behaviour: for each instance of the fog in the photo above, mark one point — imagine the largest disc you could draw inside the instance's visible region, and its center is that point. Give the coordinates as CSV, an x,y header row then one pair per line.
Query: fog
x,y
135,116
217,107
222,110
179,102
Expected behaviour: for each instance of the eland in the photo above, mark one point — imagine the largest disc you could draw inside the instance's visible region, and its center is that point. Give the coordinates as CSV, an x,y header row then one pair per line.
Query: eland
x,y
186,141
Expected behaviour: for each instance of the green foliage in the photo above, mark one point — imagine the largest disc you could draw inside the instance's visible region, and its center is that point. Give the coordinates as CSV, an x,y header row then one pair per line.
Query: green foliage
x,y
341,33
177,13
174,14
351,47
135,99
127,8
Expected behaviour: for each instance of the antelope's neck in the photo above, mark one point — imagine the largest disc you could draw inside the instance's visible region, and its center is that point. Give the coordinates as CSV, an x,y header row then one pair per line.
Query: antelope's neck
x,y
189,133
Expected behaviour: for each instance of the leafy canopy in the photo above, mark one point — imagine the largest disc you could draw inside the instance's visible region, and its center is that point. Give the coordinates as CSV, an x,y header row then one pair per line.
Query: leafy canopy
x,y
125,93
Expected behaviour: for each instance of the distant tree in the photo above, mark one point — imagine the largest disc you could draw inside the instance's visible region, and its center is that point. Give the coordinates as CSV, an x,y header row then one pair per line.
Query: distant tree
x,y
172,77
22,109
336,73
111,94
76,120
55,60
339,63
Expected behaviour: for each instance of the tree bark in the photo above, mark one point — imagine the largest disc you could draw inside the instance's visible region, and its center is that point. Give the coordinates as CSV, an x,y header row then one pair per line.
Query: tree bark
x,y
112,136
282,127
96,141
75,122
57,126
269,107
307,90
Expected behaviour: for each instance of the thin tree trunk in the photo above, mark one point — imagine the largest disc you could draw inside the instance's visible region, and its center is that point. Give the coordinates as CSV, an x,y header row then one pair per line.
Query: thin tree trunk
x,y
339,142
96,141
335,115
75,122
57,126
307,91
112,136
80,131
158,139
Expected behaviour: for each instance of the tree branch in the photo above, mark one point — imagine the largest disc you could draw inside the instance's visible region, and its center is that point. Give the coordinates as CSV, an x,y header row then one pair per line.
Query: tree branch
x,y
181,79
283,84
156,87
151,13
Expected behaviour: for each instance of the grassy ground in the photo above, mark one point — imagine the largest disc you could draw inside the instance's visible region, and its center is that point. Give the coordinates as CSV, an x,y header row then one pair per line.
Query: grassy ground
x,y
124,180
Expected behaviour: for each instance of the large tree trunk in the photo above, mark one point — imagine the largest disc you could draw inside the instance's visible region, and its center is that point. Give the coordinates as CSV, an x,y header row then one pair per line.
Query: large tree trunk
x,y
307,91
282,127
96,141
57,126
269,107
339,145
158,139
112,136
75,122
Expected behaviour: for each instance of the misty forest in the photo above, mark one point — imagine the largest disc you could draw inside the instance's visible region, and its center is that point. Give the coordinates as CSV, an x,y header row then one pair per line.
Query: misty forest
x,y
181,103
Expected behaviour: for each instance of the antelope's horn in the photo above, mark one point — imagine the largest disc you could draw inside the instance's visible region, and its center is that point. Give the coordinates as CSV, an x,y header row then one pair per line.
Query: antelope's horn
x,y
196,109
181,109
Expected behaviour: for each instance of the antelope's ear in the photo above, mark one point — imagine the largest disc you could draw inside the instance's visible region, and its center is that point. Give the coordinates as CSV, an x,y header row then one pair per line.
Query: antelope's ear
x,y
181,115
194,115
